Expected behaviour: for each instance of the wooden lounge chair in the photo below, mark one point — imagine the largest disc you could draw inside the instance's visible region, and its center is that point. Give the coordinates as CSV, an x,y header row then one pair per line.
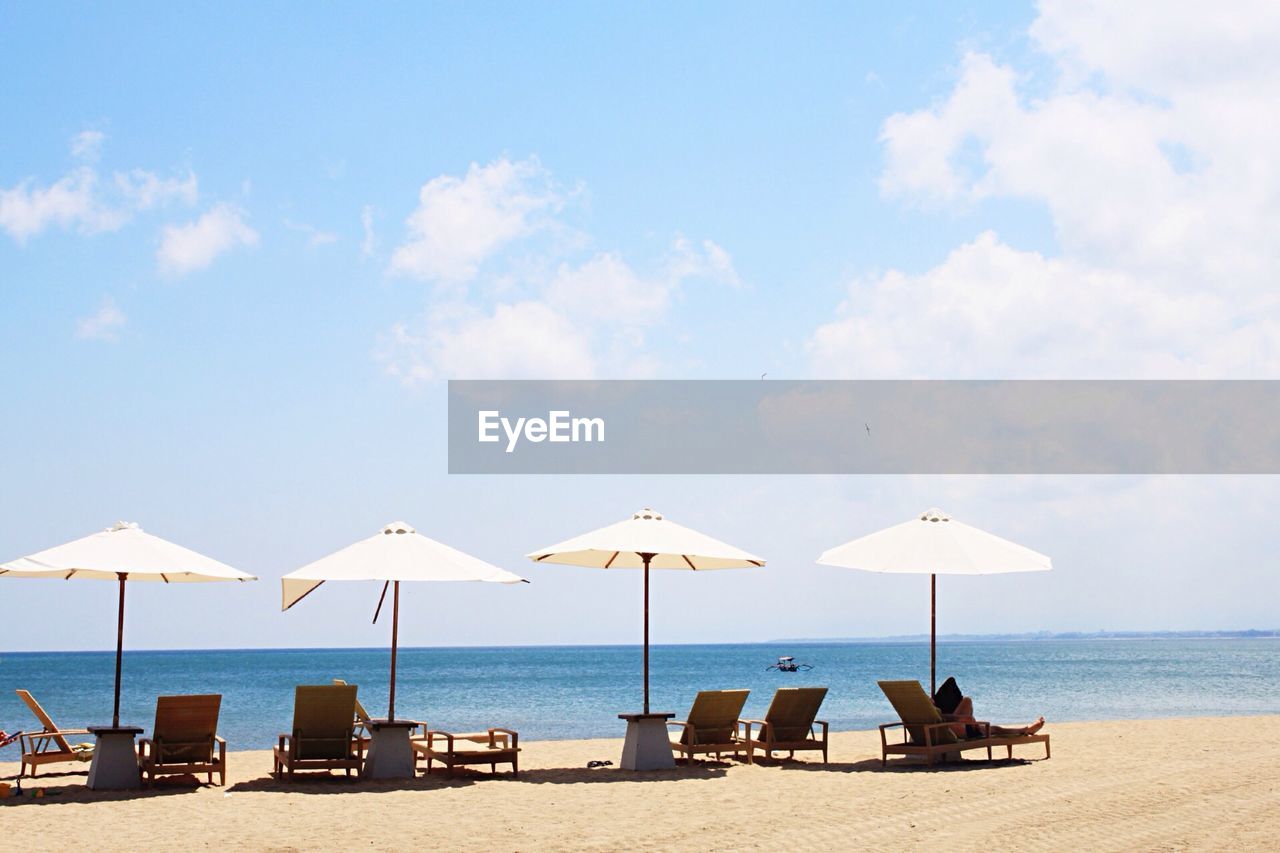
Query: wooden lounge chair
x,y
1010,741
929,733
363,719
184,739
925,732
788,724
493,747
712,725
362,716
323,736
49,746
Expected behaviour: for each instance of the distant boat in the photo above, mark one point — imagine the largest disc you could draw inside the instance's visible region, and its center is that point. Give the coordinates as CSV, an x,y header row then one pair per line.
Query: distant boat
x,y
788,663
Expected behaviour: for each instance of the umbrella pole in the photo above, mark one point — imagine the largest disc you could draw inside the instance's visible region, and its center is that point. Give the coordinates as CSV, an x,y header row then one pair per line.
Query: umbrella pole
x,y
115,712
395,630
933,635
646,558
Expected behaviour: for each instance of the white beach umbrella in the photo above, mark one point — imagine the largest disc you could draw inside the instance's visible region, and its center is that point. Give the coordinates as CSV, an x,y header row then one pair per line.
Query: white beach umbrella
x,y
396,553
935,544
645,541
122,553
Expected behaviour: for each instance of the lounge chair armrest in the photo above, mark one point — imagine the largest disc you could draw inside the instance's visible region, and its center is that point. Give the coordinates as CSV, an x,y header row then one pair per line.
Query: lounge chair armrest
x,y
750,722
968,721
285,744
32,737
513,736
146,747
432,734
932,726
826,727
686,729
884,729
220,741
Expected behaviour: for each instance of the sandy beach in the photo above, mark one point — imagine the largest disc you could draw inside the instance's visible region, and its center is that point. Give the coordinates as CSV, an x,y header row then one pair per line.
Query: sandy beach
x,y
1125,785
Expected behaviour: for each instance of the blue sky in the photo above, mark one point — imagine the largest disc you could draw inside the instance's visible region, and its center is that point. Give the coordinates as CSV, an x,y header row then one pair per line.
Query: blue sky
x,y
241,250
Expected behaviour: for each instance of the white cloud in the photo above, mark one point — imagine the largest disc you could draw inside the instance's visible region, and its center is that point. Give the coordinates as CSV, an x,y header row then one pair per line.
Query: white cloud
x,y
1171,49
556,309
369,243
103,325
87,144
606,289
706,260
1152,151
81,201
146,190
461,222
989,310
194,246
27,209
315,236
523,340
585,319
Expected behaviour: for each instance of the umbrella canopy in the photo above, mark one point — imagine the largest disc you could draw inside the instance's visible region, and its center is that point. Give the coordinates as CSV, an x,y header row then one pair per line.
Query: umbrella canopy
x,y
124,548
122,552
644,541
394,554
935,544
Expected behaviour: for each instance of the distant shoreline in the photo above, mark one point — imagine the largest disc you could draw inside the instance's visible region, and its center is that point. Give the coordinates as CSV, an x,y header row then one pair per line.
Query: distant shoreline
x,y
1250,634
905,639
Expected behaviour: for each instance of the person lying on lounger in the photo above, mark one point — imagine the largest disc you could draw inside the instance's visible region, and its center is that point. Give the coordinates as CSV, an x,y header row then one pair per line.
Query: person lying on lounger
x,y
958,709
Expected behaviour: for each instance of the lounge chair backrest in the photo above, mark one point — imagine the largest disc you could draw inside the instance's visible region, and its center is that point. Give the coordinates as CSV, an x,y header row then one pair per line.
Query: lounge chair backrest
x,y
361,714
714,715
49,725
324,720
793,710
916,710
185,728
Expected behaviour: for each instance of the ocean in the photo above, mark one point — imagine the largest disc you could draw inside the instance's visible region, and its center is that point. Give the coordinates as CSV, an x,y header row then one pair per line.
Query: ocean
x,y
547,692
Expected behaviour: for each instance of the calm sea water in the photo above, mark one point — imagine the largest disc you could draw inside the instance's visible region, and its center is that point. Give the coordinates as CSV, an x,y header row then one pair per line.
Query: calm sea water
x,y
576,692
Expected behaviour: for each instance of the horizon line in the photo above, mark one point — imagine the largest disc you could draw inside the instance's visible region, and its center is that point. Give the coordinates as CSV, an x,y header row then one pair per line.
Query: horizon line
x,y
898,639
